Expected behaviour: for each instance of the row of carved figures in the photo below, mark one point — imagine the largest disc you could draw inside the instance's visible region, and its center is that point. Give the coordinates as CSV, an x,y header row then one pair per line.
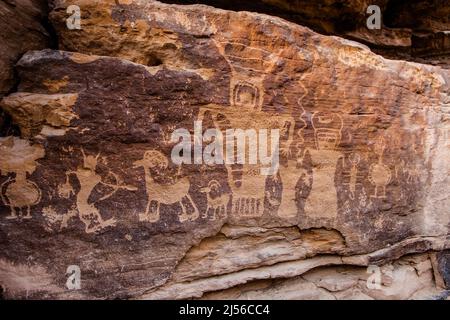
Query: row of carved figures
x,y
246,198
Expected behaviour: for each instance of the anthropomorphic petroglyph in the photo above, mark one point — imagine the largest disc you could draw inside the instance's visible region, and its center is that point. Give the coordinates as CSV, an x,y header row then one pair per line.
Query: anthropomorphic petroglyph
x,y
291,172
88,180
247,83
19,193
249,68
246,97
354,160
322,201
379,173
248,193
154,162
217,200
245,178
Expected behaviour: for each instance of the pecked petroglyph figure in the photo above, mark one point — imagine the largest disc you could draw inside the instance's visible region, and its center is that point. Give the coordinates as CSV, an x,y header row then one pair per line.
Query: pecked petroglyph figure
x,y
19,193
249,68
379,173
322,201
354,161
154,162
292,171
217,200
250,157
89,179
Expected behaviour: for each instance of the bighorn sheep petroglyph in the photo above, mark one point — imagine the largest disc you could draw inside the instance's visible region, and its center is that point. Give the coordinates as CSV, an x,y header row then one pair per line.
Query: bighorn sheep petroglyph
x,y
165,194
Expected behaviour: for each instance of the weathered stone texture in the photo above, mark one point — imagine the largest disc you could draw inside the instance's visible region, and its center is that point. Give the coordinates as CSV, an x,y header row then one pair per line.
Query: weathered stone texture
x,y
22,30
363,176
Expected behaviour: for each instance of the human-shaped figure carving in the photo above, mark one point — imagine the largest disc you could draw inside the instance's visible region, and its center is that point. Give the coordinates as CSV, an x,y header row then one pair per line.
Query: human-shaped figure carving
x,y
291,172
354,160
249,67
322,201
19,193
155,163
380,174
88,180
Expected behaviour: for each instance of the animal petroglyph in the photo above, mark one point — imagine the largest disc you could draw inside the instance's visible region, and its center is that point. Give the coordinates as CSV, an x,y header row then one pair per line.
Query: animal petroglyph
x,y
379,173
322,201
88,180
19,193
409,171
57,221
217,200
154,162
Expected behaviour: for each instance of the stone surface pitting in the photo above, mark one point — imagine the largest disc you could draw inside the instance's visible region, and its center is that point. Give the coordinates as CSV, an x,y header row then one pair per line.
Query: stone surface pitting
x,y
363,155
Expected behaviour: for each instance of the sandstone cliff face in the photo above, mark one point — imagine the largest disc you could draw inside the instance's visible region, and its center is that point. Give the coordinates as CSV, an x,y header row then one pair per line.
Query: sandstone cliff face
x,y
363,171
22,30
415,30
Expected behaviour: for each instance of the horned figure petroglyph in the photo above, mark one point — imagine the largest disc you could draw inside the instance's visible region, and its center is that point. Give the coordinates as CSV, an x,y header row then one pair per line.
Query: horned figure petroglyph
x,y
217,200
154,162
19,193
379,173
410,171
88,180
322,201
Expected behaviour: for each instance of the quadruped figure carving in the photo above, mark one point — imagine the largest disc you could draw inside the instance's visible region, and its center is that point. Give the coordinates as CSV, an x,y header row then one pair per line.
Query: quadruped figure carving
x,y
154,162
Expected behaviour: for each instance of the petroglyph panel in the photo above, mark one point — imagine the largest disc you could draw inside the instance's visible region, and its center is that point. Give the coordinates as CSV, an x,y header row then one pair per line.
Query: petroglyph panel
x,y
325,148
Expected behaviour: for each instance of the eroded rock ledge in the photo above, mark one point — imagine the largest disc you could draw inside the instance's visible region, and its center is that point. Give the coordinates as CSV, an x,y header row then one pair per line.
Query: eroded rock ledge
x,y
363,176
414,30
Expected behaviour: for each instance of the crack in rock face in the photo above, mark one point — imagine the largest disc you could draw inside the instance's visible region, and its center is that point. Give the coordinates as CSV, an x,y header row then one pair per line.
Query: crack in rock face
x,y
174,152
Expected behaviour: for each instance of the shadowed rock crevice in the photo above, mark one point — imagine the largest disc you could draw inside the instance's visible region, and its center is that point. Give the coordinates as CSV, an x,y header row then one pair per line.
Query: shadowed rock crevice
x,y
7,127
444,265
254,247
409,277
22,30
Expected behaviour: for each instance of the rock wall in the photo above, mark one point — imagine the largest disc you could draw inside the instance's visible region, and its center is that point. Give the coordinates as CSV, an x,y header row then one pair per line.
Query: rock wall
x,y
360,188
415,30
22,25
22,30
